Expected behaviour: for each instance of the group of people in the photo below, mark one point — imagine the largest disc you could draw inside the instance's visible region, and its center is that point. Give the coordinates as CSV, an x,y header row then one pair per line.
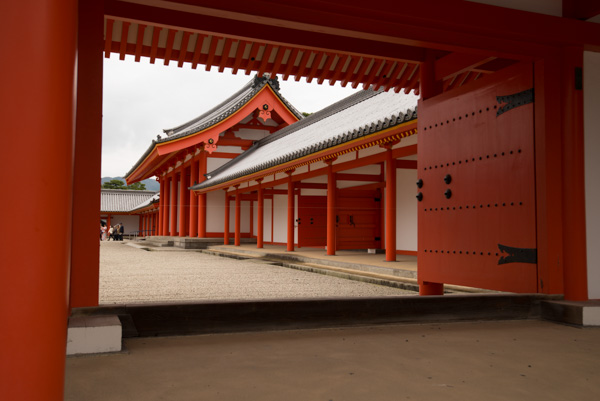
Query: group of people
x,y
115,232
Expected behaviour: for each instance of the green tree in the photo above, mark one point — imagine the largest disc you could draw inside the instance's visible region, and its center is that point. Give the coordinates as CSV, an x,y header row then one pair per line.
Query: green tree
x,y
138,186
114,184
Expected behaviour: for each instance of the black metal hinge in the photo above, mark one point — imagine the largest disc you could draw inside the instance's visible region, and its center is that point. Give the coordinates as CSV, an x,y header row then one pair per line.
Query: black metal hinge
x,y
514,100
517,255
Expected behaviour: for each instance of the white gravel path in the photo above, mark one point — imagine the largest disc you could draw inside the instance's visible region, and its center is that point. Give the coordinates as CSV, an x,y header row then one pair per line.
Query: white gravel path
x,y
129,275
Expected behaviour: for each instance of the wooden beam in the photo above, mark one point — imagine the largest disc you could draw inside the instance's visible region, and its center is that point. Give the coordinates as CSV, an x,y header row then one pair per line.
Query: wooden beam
x,y
456,63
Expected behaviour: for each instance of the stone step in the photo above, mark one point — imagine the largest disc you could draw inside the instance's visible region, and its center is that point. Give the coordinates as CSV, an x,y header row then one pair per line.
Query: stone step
x,y
93,334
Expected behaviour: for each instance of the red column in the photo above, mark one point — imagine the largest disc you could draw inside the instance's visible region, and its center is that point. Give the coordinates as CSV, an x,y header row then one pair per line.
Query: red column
x,y
161,199
238,212
290,214
38,104
85,253
331,200
202,197
173,205
181,200
261,216
167,210
390,206
573,206
226,228
193,200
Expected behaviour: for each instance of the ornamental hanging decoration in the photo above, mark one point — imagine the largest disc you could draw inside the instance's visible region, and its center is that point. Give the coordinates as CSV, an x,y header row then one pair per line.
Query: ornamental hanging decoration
x,y
265,112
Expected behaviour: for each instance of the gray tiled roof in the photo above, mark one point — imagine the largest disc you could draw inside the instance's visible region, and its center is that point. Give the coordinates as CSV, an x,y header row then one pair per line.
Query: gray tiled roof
x,y
147,202
122,200
219,113
363,113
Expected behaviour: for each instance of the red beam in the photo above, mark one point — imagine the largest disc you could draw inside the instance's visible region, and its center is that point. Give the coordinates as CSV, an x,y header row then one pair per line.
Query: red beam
x,y
315,66
225,54
278,59
239,55
124,33
183,48
363,67
211,52
358,177
302,66
155,36
407,164
350,70
109,31
169,45
457,63
198,50
140,42
265,60
290,63
252,58
338,69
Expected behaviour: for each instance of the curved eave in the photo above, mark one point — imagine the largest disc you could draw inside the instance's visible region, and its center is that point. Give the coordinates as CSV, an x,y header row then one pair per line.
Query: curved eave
x,y
380,137
160,152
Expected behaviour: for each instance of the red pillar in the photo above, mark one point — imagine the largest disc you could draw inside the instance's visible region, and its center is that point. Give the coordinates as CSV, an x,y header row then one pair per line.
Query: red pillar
x,y
573,206
173,205
390,206
238,212
290,214
85,253
38,104
193,200
181,200
202,197
331,200
260,228
165,204
226,228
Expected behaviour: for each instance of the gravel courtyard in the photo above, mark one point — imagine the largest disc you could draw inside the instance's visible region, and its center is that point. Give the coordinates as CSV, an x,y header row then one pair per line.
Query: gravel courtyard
x,y
131,276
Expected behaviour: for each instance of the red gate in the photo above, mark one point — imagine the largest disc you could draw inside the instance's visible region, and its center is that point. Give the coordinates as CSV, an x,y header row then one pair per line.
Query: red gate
x,y
476,184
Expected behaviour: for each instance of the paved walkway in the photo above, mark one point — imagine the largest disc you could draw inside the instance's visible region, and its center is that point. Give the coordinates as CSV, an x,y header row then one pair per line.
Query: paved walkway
x,y
509,360
129,275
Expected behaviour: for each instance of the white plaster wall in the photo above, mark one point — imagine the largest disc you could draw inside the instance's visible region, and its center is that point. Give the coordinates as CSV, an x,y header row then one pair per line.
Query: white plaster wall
x,y
591,116
549,7
244,217
406,210
267,233
213,163
215,214
280,215
130,222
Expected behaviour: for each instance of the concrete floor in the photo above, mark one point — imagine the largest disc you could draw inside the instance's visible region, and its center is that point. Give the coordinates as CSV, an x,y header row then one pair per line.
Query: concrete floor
x,y
508,360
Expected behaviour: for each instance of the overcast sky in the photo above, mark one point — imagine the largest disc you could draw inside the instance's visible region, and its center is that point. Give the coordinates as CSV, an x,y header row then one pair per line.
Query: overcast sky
x,y
140,99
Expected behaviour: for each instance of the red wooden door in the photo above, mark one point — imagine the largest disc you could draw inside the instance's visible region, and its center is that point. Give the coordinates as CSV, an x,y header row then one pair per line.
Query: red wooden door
x,y
312,221
358,219
476,171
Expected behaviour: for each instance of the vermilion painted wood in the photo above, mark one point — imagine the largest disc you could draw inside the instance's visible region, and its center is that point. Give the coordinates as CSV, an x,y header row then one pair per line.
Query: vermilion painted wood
x,y
331,239
226,225
358,220
260,216
193,225
173,201
84,285
290,212
312,222
490,160
390,206
237,223
39,107
548,149
573,184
